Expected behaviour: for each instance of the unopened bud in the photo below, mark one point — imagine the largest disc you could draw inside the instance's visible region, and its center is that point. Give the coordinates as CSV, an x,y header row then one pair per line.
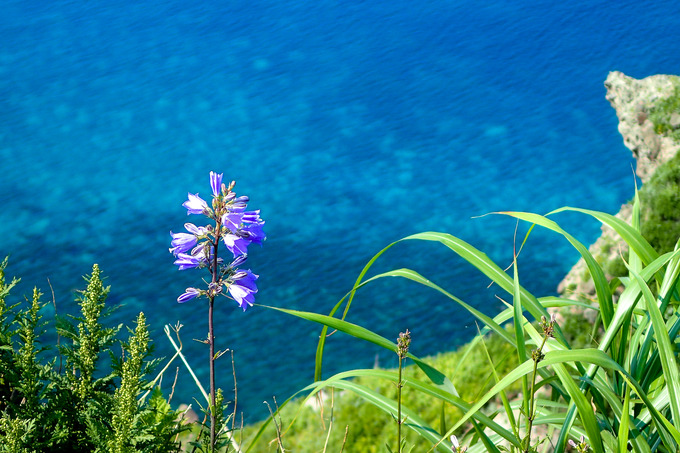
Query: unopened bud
x,y
239,275
238,261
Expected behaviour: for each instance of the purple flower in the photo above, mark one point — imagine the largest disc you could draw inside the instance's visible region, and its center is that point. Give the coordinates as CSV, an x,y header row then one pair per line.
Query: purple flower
x,y
251,217
239,204
196,248
185,261
245,227
254,232
189,294
243,288
198,231
237,245
182,242
195,204
232,220
216,183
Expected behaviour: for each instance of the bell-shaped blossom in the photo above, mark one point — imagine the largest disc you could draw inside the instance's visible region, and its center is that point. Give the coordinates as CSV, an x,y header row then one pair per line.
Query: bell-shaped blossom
x,y
215,183
243,288
251,217
188,294
185,261
232,220
199,231
195,204
237,245
182,242
245,227
253,232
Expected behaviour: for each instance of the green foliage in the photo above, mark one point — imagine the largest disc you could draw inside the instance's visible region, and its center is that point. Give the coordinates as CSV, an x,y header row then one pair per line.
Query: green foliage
x,y
621,393
81,408
662,112
660,198
659,216
125,396
470,372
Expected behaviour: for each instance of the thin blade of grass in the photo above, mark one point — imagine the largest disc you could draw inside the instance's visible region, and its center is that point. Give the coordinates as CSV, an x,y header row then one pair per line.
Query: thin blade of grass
x,y
518,318
482,262
604,295
362,333
628,233
413,420
488,443
460,247
625,422
416,277
504,398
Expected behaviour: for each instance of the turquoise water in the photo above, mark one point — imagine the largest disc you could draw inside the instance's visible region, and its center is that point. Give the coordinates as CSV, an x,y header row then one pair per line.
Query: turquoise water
x,y
349,124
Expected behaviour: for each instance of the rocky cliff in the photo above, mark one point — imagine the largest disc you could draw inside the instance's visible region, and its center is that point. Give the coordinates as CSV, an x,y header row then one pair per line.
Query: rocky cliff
x,y
636,103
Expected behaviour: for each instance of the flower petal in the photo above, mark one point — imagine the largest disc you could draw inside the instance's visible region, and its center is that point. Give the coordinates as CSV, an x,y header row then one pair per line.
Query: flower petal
x,y
195,204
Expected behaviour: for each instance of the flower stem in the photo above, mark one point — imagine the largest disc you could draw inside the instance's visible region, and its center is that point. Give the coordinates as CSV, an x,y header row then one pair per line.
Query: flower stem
x,y
211,340
399,421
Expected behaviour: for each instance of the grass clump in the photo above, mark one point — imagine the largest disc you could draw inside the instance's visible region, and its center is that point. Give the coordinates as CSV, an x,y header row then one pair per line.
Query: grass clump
x,y
604,387
307,424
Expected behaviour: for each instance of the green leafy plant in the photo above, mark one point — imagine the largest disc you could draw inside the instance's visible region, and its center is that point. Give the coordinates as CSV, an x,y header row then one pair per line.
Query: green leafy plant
x,y
72,402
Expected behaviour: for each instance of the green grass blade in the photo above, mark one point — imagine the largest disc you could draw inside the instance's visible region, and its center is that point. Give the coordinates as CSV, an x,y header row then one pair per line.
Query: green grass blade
x,y
504,398
625,422
518,322
629,299
488,443
554,358
413,420
362,333
628,233
460,247
482,262
604,295
416,277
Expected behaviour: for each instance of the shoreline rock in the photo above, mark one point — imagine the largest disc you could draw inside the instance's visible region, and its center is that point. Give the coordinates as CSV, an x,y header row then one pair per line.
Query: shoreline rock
x,y
633,100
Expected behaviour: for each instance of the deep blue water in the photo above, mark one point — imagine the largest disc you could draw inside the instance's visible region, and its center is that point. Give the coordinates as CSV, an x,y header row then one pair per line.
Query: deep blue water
x,y
349,124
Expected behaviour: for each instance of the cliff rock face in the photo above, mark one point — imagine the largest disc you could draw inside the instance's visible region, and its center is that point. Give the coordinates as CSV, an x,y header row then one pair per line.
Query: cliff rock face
x,y
633,101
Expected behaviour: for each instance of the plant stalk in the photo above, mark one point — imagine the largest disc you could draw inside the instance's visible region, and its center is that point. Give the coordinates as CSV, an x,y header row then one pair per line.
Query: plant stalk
x,y
532,398
399,386
211,340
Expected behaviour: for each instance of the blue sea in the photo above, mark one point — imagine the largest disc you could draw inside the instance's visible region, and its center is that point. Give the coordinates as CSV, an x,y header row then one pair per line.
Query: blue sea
x,y
348,124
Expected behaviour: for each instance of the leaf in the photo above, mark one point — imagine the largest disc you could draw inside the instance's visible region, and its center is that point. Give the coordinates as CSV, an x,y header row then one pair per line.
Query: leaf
x,y
362,333
604,295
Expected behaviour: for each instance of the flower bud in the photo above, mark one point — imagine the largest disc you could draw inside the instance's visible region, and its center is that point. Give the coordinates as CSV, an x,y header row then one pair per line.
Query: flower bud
x,y
239,275
238,261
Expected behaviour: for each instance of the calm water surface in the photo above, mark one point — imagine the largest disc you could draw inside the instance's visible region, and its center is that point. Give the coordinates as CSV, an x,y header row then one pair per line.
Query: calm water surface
x,y
349,124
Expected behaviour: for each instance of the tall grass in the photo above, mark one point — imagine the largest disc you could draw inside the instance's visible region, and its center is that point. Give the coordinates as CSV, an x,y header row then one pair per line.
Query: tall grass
x,y
622,395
